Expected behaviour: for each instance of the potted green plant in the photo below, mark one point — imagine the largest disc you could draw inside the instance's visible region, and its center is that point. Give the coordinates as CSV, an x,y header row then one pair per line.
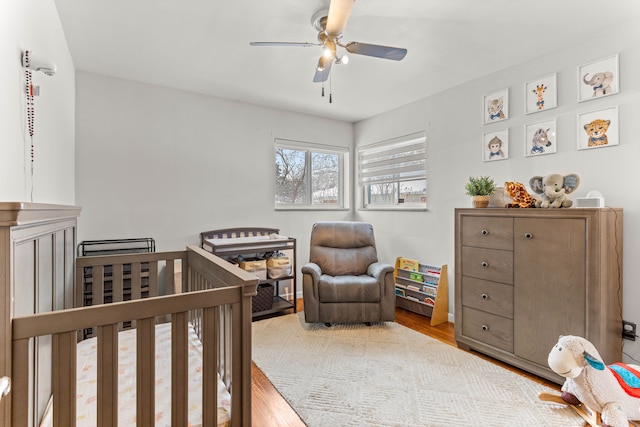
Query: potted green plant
x,y
480,189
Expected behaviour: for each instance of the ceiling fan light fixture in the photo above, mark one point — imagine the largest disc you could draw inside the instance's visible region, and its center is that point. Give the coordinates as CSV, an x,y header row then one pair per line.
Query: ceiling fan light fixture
x,y
330,49
320,66
344,59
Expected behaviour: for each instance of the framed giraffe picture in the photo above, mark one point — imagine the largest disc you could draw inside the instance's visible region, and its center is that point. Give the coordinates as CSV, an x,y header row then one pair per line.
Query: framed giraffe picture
x,y
541,94
598,129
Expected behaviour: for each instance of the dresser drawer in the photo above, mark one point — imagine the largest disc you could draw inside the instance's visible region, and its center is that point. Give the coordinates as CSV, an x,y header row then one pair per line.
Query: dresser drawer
x,y
487,232
490,329
488,264
492,297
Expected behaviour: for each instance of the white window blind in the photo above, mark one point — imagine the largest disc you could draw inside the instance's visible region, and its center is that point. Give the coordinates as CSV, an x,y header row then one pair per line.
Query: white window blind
x,y
393,173
397,160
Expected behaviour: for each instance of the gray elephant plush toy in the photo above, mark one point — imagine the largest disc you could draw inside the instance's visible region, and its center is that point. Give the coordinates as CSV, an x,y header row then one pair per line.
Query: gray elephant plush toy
x,y
554,189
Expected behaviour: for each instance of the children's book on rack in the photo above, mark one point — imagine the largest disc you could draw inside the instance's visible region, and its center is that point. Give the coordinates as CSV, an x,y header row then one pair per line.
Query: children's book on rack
x,y
422,288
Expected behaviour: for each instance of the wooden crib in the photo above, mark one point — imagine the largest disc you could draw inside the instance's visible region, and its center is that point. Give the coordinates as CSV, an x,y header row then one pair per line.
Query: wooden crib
x,y
191,289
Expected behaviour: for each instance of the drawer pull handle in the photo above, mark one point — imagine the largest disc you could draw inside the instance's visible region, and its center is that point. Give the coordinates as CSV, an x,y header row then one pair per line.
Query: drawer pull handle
x,y
485,328
484,264
528,236
485,232
485,296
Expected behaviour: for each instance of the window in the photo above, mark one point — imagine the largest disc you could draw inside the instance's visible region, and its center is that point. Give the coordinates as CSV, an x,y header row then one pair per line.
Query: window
x,y
310,175
393,174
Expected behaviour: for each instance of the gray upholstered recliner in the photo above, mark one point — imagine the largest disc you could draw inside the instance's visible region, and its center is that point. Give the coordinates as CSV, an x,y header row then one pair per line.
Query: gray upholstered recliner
x,y
344,282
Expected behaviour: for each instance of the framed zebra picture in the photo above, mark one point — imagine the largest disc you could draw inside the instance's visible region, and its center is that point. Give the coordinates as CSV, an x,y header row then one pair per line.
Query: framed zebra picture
x,y
540,138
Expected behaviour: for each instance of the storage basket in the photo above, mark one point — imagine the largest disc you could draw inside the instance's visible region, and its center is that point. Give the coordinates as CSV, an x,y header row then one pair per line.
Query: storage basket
x,y
256,266
278,267
264,300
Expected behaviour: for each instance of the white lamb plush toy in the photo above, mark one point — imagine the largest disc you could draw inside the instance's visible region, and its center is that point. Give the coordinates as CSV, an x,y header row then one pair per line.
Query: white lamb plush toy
x,y
612,390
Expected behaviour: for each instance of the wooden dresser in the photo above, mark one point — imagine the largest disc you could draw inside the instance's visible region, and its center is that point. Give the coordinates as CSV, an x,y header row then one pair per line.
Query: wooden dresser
x,y
523,277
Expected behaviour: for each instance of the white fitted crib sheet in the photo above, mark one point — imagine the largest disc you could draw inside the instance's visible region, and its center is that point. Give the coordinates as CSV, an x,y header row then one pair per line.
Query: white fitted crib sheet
x,y
87,390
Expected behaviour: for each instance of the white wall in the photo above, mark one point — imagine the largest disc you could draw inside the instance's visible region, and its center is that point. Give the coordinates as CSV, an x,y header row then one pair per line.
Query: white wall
x,y
34,25
168,164
452,120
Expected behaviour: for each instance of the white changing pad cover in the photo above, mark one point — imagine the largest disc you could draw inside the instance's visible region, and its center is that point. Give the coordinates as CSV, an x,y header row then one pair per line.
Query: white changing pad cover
x,y
262,243
87,351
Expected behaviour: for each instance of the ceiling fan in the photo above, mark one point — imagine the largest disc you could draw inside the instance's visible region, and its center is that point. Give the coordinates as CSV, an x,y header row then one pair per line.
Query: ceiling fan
x,y
330,25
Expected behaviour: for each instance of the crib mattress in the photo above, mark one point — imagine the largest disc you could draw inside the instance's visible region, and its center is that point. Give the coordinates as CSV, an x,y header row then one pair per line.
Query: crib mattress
x,y
87,391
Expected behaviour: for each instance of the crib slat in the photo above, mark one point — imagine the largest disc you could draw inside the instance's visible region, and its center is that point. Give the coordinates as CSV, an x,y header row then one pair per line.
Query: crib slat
x,y
179,370
153,279
64,379
237,342
108,375
210,345
169,278
136,281
145,372
97,286
20,412
117,283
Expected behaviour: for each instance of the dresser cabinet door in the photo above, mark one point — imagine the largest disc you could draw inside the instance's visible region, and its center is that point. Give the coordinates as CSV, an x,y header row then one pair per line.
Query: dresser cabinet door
x,y
549,284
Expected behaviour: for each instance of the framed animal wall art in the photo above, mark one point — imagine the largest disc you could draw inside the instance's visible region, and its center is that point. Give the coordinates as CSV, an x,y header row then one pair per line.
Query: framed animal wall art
x,y
598,129
541,94
495,145
540,138
495,106
598,79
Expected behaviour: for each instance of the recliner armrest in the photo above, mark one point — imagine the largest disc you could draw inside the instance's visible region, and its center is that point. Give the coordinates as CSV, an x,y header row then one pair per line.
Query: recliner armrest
x,y
377,269
313,269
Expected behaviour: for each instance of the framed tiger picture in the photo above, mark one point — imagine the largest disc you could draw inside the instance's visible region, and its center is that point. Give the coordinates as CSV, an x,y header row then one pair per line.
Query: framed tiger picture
x,y
598,129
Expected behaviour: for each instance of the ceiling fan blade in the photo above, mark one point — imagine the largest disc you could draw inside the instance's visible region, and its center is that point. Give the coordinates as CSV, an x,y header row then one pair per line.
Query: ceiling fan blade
x,y
323,75
295,44
339,11
385,52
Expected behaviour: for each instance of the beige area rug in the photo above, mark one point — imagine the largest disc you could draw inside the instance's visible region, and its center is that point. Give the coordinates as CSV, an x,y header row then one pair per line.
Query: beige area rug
x,y
390,375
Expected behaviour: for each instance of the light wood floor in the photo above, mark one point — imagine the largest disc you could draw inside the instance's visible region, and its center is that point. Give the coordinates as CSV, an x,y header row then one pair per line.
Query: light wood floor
x,y
270,409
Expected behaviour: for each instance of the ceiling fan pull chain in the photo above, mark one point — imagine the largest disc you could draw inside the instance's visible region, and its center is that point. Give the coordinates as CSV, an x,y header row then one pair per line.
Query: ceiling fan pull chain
x,y
330,86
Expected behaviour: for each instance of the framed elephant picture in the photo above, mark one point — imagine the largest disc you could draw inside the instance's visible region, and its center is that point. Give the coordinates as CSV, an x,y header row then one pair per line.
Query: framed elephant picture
x,y
598,79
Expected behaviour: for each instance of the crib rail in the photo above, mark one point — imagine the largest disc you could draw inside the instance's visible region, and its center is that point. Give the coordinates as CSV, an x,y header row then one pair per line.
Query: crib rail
x,y
211,293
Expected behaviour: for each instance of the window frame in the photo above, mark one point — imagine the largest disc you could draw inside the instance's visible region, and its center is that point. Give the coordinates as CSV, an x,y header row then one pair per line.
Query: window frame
x,y
393,145
310,148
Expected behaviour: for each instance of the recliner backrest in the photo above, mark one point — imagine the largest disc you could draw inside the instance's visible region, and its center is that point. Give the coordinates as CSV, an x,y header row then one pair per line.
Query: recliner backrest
x,y
343,248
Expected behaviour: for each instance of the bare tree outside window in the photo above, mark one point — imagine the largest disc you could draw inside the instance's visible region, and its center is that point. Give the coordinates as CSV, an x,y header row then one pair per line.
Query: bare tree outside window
x,y
291,176
325,178
310,176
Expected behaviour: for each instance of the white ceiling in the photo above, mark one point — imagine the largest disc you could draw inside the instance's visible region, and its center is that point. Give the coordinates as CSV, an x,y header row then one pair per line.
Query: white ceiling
x,y
203,45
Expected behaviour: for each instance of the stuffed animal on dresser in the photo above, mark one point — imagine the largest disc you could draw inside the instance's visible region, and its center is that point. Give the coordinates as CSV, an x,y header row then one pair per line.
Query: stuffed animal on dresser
x,y
521,198
554,189
612,390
